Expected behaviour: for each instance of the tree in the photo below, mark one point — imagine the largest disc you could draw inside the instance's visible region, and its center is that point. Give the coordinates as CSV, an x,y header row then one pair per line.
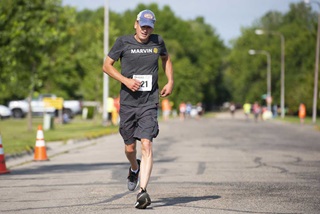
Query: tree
x,y
67,51
245,75
32,35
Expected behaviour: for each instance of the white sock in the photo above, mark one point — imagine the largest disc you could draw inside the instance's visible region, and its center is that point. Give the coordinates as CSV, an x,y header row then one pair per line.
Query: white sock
x,y
135,171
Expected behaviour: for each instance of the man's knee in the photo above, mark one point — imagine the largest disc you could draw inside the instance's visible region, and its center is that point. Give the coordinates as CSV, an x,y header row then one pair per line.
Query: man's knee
x,y
129,149
146,146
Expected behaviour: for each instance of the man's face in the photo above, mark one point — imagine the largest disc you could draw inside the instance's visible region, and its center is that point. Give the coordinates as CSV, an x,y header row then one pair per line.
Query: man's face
x,y
142,32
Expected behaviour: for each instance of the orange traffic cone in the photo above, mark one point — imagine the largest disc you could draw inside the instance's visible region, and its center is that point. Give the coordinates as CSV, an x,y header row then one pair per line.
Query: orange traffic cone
x,y
3,168
40,152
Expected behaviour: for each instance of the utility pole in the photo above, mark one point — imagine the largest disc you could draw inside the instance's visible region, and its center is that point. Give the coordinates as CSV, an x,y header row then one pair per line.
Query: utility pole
x,y
105,76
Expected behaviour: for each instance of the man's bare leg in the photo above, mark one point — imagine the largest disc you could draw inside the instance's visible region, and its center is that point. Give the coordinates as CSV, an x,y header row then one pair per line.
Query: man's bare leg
x,y
131,154
146,163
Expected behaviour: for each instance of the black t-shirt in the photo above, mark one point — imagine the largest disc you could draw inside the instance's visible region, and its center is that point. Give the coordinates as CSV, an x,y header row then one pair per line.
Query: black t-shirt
x,y
139,59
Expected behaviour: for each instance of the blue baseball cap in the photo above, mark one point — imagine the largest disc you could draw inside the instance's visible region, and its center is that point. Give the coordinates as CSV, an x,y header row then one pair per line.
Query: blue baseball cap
x,y
146,18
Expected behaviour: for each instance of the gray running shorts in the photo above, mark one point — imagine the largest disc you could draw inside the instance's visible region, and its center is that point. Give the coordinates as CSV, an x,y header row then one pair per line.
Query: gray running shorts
x,y
138,123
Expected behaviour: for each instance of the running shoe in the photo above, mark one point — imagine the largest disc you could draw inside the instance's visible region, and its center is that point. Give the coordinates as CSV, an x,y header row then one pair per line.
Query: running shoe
x,y
133,178
143,200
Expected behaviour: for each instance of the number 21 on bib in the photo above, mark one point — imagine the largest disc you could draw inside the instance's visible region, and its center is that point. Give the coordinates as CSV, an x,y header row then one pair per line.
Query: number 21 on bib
x,y
146,82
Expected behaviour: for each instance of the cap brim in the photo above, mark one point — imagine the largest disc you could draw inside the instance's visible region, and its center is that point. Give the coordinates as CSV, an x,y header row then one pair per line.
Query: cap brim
x,y
146,23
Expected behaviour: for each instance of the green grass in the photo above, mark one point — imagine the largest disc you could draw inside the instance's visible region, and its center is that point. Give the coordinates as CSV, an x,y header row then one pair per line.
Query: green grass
x,y
17,139
296,120
209,114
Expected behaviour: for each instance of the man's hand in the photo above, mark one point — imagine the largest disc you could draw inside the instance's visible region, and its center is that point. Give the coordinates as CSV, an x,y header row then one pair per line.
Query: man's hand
x,y
133,84
167,90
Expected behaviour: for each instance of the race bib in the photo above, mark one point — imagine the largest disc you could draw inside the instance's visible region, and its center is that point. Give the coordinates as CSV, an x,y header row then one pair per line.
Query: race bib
x,y
146,82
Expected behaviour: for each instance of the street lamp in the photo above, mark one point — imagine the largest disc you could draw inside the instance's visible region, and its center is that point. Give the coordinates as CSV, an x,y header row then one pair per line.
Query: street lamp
x,y
316,70
254,52
282,99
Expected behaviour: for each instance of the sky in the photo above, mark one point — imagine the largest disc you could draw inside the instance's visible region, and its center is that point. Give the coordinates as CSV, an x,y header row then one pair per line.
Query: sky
x,y
225,16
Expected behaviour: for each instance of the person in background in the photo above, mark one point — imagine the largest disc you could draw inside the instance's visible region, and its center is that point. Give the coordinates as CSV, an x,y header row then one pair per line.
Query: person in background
x,y
232,109
256,109
188,109
247,110
166,108
139,96
65,118
116,109
302,112
182,110
275,110
110,108
199,109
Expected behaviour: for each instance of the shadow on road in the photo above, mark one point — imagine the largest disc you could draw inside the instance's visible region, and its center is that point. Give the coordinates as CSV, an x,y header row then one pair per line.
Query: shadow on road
x,y
67,168
182,200
43,168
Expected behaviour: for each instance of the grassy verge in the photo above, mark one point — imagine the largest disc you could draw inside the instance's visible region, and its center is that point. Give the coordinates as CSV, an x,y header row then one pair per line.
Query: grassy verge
x,y
296,120
209,114
17,139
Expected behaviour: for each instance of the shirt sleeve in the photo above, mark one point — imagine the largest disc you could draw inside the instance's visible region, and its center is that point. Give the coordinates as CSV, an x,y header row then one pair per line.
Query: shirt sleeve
x,y
116,51
163,49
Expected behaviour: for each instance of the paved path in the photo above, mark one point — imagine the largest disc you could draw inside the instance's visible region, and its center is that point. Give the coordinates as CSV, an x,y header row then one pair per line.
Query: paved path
x,y
214,165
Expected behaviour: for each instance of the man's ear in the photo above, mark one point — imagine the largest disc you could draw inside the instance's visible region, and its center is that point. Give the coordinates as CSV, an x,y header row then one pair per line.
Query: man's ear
x,y
135,24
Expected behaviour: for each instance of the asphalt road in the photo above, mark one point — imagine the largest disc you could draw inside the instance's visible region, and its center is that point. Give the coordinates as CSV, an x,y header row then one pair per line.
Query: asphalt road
x,y
211,165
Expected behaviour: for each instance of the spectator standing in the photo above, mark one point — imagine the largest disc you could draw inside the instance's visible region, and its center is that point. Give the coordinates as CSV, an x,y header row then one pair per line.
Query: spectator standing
x,y
166,108
115,112
110,108
182,110
247,110
232,109
199,109
188,109
256,108
275,110
302,112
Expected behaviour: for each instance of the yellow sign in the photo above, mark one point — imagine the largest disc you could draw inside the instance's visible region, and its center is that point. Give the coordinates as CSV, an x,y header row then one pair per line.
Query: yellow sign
x,y
53,102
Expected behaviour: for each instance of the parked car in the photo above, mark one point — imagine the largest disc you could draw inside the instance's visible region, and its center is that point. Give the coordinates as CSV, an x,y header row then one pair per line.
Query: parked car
x,y
20,108
5,112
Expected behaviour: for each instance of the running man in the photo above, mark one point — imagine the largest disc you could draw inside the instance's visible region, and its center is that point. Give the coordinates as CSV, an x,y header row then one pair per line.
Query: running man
x,y
139,95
